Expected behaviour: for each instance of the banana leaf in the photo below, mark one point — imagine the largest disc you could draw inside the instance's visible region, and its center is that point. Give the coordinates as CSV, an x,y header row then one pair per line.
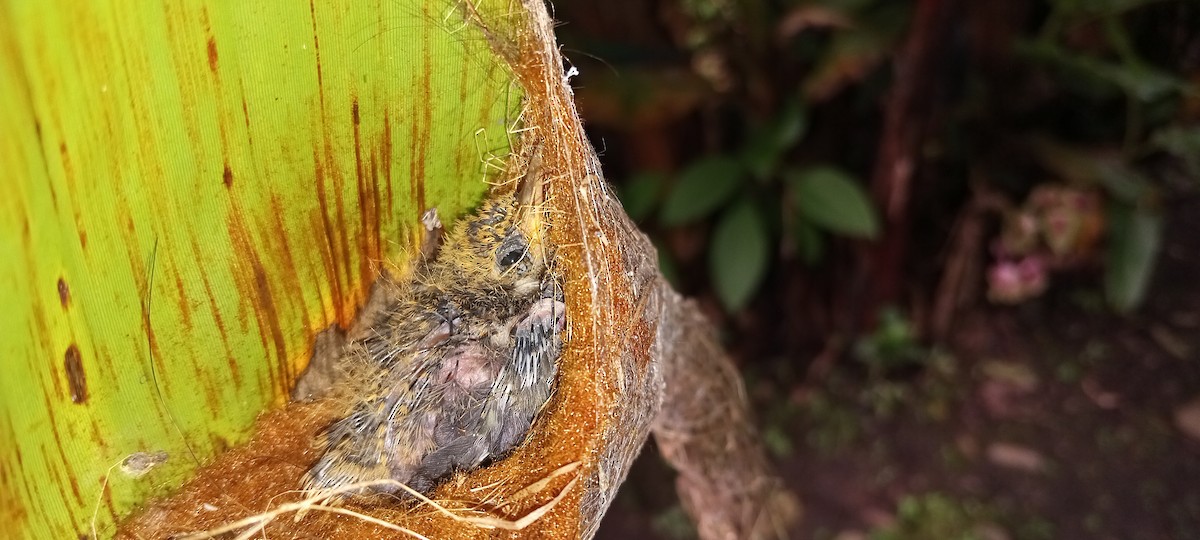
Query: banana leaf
x,y
191,190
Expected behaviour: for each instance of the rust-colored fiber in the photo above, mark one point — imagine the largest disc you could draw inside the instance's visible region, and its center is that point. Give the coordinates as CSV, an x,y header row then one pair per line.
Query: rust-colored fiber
x,y
633,347
244,480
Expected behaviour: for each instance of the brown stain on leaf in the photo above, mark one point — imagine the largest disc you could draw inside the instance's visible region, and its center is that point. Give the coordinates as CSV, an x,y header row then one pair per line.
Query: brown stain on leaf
x,y
11,509
376,230
330,253
211,42
286,266
419,135
235,371
368,202
212,55
76,380
110,506
220,444
64,293
385,157
335,250
183,305
336,229
426,123
71,479
246,118
416,176
227,176
59,483
256,289
68,171
312,9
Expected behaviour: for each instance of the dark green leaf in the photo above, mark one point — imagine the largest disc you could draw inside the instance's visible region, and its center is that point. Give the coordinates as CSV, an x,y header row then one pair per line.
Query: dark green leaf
x,y
1080,166
1181,142
851,56
778,442
701,189
1143,82
639,194
1136,234
761,155
791,124
738,254
847,5
831,199
810,244
769,142
1122,181
1099,7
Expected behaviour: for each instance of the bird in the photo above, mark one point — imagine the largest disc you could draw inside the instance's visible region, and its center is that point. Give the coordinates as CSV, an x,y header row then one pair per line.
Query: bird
x,y
454,363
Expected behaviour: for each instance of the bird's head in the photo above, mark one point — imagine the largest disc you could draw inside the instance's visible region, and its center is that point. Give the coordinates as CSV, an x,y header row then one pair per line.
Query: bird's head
x,y
502,242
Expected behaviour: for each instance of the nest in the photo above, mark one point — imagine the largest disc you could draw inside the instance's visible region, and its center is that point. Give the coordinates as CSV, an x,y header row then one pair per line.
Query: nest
x,y
633,347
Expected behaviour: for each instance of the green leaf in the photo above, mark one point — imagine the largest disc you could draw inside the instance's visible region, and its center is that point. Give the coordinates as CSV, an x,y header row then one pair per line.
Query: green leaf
x,y
831,199
810,244
778,442
701,189
770,141
1081,166
1120,180
1099,7
1134,240
1142,81
761,155
191,193
640,194
738,254
791,124
850,57
1182,142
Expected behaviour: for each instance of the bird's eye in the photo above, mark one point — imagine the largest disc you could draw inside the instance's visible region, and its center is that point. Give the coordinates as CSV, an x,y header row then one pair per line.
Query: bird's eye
x,y
510,259
511,251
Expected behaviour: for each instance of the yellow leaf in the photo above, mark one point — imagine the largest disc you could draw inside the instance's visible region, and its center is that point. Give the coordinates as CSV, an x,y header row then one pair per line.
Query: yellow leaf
x,y
191,191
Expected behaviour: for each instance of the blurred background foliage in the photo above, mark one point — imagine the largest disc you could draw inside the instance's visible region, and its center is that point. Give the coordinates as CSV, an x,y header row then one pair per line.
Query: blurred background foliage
x,y
843,183
752,137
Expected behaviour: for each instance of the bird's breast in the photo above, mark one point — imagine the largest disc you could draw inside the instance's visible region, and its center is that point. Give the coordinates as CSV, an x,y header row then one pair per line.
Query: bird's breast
x,y
469,366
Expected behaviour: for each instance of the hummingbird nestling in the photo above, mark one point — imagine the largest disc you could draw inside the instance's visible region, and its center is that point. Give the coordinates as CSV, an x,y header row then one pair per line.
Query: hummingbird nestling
x,y
455,362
